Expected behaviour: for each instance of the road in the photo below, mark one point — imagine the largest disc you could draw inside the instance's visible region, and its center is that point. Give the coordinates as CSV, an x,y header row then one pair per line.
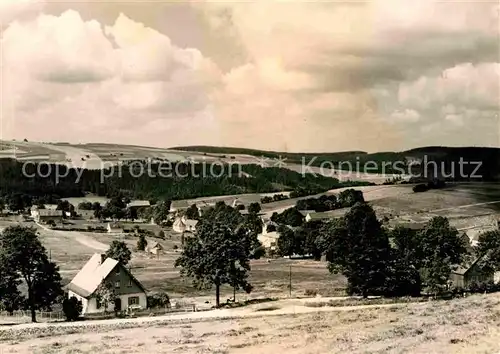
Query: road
x,y
79,237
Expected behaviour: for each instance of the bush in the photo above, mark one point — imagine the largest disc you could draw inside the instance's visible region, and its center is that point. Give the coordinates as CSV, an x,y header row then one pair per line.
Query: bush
x,y
420,188
159,300
161,234
72,308
310,292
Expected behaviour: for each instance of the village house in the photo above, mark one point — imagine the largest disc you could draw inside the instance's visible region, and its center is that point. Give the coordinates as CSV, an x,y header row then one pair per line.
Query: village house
x,y
115,228
46,215
182,224
128,291
154,248
472,272
268,239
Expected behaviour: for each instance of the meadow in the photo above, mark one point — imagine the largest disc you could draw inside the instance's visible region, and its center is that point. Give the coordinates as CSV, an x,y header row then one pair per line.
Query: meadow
x,y
466,325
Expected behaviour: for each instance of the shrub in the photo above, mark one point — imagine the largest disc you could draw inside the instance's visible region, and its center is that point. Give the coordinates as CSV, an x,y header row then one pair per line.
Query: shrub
x,y
142,243
420,188
161,234
159,300
310,292
72,308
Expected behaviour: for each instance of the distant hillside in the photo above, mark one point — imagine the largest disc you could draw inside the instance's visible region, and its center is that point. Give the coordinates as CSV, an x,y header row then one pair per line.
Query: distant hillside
x,y
488,158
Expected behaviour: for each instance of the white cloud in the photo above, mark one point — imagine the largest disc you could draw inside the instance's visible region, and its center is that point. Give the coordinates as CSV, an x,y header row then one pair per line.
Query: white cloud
x,y
310,76
406,116
472,86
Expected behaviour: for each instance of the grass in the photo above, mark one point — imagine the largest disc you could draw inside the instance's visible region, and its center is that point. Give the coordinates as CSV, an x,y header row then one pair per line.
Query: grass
x,y
466,325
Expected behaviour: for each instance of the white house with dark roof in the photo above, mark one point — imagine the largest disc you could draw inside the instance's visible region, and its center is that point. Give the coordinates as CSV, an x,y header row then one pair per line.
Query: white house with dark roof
x,y
128,290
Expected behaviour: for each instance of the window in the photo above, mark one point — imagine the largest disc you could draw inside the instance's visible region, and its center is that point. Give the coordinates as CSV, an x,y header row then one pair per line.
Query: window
x,y
117,284
133,300
129,283
97,304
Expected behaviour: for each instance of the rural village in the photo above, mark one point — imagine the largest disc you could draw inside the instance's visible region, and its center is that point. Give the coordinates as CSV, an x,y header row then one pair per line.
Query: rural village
x,y
120,258
247,177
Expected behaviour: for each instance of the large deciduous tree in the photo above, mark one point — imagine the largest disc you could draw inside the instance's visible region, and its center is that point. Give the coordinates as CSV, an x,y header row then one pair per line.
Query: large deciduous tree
x,y
215,256
360,250
24,257
439,248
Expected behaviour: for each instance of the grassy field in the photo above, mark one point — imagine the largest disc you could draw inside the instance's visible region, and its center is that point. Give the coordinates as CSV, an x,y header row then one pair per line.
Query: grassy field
x,y
468,325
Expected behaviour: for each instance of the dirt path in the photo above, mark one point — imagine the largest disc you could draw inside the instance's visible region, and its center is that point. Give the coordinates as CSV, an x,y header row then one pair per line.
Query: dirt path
x,y
281,307
464,206
79,237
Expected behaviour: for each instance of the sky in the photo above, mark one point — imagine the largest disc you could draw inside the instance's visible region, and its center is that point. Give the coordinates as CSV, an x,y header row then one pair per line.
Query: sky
x,y
380,75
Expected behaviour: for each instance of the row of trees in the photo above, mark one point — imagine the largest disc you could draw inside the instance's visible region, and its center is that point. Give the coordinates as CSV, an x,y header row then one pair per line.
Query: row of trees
x,y
191,180
377,261
346,199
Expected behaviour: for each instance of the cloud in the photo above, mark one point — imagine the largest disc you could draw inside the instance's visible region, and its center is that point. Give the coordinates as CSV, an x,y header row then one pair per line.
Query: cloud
x,y
295,76
64,71
474,86
406,116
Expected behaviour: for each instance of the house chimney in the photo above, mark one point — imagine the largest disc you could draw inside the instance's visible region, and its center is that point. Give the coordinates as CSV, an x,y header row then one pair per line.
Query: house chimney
x,y
103,258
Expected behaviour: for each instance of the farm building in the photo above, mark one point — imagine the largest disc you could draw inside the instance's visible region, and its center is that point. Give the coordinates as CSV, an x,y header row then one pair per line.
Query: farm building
x,y
473,272
317,216
154,248
268,239
237,203
181,224
128,290
46,215
136,204
114,228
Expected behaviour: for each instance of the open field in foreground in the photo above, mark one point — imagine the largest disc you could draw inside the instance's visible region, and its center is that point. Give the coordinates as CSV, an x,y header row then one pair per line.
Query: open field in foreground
x,y
468,325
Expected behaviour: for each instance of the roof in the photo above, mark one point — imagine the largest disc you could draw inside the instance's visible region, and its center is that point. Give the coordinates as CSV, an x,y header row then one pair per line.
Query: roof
x,y
155,244
305,212
138,203
49,212
467,265
319,216
93,273
190,222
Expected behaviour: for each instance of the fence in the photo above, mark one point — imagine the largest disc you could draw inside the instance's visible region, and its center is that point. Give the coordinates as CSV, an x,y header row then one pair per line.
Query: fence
x,y
18,317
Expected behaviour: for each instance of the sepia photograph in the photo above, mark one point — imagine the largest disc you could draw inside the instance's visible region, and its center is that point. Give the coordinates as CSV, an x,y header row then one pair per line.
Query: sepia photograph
x,y
249,176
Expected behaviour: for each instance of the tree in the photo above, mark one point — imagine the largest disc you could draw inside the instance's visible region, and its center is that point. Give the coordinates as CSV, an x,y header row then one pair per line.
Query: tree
x,y
10,296
291,216
161,211
215,256
489,243
360,251
350,197
23,253
105,294
161,234
440,248
85,206
286,241
142,243
119,251
254,208
192,212
72,308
